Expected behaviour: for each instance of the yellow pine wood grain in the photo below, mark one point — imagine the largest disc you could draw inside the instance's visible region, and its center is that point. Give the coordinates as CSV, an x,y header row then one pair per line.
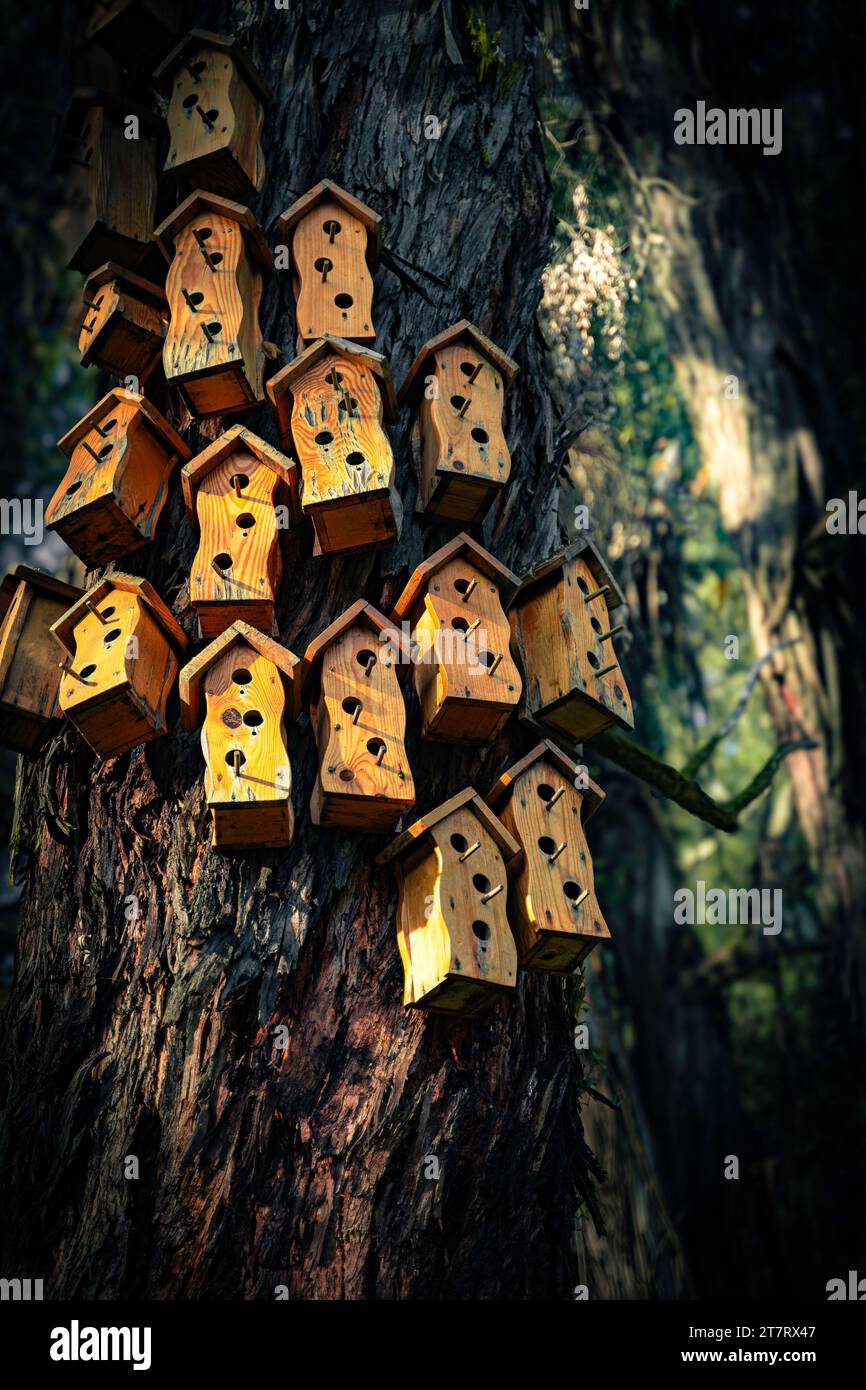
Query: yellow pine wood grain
x,y
123,669
461,688
223,154
554,925
244,530
446,931
348,278
352,787
29,673
224,370
251,804
471,447
121,334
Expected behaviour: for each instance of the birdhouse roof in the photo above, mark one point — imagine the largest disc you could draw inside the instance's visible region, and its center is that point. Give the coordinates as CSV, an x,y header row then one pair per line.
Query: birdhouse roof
x,y
165,433
200,201
239,634
63,630
328,346
37,579
547,752
328,191
469,798
138,286
587,551
358,612
235,437
463,544
82,99
202,38
462,330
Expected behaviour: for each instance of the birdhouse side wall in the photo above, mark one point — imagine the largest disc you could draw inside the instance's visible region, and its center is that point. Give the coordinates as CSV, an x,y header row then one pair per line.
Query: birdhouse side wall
x,y
29,669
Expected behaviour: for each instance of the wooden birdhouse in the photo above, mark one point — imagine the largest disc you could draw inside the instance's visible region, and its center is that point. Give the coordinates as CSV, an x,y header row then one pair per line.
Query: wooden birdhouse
x,y
215,115
214,351
111,217
335,245
136,33
456,388
330,404
30,601
544,801
121,456
237,491
121,644
451,868
468,685
252,689
353,678
561,624
124,323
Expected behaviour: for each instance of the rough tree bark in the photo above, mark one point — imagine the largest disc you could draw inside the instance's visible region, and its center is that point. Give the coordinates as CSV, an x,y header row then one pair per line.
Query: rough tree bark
x,y
303,1167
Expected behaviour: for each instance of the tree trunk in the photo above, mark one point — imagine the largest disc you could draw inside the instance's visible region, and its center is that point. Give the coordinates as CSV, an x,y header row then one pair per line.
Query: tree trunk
x,y
311,1166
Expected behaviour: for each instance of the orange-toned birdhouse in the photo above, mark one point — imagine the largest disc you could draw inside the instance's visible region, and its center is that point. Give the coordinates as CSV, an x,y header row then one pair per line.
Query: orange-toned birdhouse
x,y
121,645
335,244
251,687
544,801
456,388
215,115
468,685
451,868
137,33
121,456
30,601
124,322
107,152
330,404
562,627
240,493
353,678
214,352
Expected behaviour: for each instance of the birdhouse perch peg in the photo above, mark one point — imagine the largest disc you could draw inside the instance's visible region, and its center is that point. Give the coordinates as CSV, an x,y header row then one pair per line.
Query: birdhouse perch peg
x,y
335,244
560,620
214,352
544,801
451,868
124,322
237,493
215,115
121,456
252,688
467,683
30,601
353,674
330,403
120,645
456,387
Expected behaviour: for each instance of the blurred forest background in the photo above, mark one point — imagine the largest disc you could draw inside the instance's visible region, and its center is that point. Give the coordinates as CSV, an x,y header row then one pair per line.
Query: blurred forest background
x,y
702,314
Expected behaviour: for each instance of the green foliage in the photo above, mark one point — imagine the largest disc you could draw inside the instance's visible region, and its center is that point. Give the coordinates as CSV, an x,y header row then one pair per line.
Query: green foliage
x,y
487,53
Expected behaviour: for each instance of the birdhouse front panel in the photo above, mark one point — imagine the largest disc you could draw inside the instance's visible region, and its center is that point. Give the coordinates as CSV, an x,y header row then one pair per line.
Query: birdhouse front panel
x,y
29,674
464,457
124,323
117,680
332,280
564,635
364,780
553,906
467,682
456,945
214,352
248,781
215,118
346,460
238,566
121,457
111,218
